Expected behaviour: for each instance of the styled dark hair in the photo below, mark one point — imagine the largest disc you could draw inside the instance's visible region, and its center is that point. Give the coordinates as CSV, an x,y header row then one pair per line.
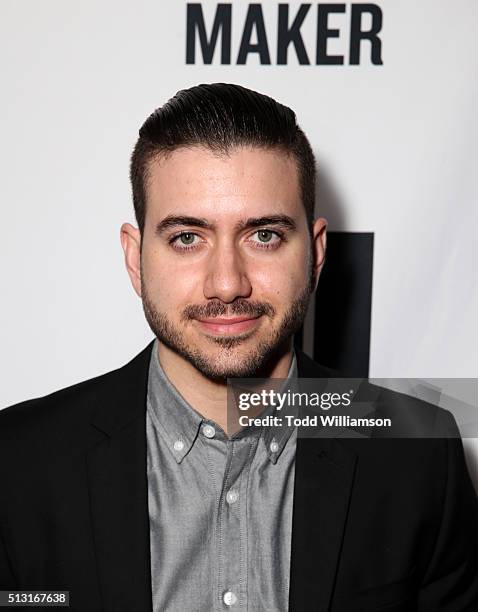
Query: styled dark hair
x,y
220,116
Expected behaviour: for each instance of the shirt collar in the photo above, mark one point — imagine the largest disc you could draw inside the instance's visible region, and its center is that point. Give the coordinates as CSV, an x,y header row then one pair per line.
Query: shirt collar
x,y
175,418
179,422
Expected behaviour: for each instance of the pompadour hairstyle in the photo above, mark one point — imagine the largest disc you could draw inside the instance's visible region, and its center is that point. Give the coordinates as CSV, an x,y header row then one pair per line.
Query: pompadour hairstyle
x,y
220,116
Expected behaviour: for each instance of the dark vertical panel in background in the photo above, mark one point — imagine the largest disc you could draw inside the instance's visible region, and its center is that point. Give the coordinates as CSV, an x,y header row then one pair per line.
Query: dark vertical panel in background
x,y
343,304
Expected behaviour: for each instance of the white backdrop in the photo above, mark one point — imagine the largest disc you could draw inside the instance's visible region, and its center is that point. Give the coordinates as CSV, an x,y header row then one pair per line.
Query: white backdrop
x,y
397,142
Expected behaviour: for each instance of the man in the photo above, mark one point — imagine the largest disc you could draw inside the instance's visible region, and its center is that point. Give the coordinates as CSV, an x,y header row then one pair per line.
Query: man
x,y
136,492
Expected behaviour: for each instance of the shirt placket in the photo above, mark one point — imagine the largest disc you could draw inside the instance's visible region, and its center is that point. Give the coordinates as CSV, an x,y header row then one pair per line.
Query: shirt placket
x,y
232,526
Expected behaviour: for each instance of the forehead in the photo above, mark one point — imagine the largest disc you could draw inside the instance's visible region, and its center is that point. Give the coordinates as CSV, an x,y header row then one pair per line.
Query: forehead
x,y
247,181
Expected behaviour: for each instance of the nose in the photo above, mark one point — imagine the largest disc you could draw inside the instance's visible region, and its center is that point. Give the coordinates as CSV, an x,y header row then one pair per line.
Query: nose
x,y
226,277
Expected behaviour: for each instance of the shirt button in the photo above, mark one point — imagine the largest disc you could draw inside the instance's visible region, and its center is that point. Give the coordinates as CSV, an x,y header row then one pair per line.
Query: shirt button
x,y
232,496
274,447
209,431
178,445
229,598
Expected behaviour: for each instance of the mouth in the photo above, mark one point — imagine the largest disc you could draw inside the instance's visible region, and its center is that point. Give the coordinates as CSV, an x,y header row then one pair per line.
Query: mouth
x,y
228,326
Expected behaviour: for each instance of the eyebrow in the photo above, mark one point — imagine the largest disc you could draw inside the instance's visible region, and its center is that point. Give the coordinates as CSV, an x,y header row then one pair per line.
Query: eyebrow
x,y
176,220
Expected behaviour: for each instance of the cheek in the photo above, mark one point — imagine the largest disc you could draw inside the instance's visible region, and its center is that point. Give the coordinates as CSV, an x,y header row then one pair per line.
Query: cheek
x,y
166,284
281,281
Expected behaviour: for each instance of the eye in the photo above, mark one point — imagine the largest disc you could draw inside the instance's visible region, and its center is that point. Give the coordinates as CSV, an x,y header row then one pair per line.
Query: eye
x,y
184,241
186,238
267,238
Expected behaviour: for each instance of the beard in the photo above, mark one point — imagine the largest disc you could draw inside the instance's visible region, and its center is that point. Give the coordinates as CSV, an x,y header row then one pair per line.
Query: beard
x,y
229,363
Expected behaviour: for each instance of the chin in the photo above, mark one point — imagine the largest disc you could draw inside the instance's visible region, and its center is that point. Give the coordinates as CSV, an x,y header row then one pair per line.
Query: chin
x,y
235,363
222,374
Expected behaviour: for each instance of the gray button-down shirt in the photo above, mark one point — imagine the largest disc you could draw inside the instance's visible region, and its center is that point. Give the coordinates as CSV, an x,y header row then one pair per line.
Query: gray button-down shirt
x,y
220,508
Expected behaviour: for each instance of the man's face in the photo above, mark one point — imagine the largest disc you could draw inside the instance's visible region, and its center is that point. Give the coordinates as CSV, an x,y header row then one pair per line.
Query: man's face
x,y
227,262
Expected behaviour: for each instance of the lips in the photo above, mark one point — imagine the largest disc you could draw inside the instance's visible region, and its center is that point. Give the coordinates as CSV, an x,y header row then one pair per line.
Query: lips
x,y
230,325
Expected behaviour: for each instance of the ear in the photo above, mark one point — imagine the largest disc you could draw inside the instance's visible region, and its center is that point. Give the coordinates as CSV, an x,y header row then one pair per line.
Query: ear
x,y
319,245
131,242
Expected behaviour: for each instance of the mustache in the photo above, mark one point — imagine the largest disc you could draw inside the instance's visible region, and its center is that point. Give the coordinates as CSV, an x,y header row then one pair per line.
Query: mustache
x,y
219,309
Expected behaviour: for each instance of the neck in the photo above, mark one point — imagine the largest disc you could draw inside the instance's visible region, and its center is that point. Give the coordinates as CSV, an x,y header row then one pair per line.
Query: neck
x,y
209,397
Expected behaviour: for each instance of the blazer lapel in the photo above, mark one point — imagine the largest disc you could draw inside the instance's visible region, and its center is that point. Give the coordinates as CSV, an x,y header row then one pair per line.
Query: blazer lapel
x,y
323,481
324,475
117,479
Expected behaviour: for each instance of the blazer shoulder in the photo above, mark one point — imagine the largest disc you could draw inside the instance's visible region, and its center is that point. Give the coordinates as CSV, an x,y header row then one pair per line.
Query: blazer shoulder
x,y
411,416
417,417
49,408
71,405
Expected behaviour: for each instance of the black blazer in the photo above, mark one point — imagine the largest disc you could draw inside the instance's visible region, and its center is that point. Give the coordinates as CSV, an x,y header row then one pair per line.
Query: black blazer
x,y
387,525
